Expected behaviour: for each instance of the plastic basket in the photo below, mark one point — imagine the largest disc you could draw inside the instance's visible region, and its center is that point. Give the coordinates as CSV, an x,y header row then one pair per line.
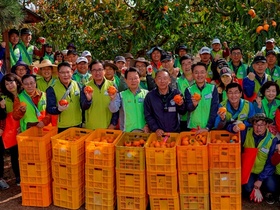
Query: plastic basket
x,y
161,159
39,195
225,201
194,201
193,182
225,181
100,199
163,203
99,134
35,172
68,197
100,178
192,158
164,183
34,144
131,181
68,175
68,146
132,201
224,155
129,157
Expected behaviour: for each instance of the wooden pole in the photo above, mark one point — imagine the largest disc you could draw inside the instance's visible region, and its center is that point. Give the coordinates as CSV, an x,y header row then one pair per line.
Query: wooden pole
x,y
7,63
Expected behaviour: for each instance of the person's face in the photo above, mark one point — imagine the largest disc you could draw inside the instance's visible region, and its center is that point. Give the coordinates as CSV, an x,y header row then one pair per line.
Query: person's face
x,y
234,95
120,64
236,56
260,68
142,68
199,74
162,80
26,38
72,58
29,85
65,75
97,72
205,57
271,59
269,46
48,49
59,57
89,58
270,93
216,47
226,79
168,64
21,71
46,72
66,58
11,86
132,80
182,52
82,67
259,127
14,39
109,73
127,64
186,65
156,55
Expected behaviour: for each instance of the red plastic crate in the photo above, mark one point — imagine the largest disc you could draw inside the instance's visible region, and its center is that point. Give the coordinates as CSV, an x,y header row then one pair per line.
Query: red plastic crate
x,y
161,159
163,184
100,199
130,157
100,178
192,158
193,182
164,203
39,195
68,147
194,201
132,201
225,181
225,201
224,155
34,144
68,175
131,181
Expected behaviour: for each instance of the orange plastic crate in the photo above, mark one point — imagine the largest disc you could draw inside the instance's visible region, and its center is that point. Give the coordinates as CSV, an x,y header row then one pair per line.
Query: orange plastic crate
x,y
161,159
225,201
100,178
101,133
164,203
35,172
68,146
163,184
194,201
39,195
193,182
224,155
68,197
130,157
100,199
34,144
192,158
131,181
68,175
132,201
225,181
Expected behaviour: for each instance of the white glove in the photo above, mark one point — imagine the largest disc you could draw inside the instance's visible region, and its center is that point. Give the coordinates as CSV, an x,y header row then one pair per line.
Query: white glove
x,y
258,196
149,70
62,108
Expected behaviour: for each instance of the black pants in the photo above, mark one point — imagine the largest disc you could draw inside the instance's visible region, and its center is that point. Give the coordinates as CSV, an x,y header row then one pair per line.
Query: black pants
x,y
14,159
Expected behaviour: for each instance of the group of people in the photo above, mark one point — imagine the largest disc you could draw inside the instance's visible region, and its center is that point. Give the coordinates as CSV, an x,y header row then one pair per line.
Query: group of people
x,y
78,93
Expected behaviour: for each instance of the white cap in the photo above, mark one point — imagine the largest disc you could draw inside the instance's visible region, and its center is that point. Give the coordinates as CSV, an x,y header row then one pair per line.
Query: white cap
x,y
216,41
64,52
270,40
81,59
204,50
86,53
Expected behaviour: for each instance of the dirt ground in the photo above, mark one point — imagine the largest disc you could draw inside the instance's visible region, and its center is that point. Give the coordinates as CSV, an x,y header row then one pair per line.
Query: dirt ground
x,y
10,199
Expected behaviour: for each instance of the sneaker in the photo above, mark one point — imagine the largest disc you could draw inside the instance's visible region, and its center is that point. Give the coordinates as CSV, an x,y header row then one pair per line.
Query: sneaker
x,y
269,199
3,184
18,181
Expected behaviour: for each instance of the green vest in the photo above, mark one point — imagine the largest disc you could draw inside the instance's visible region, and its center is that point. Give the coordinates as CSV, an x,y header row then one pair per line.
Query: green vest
x,y
213,53
81,79
178,65
98,115
270,109
277,171
275,74
72,116
242,115
26,53
14,54
241,71
133,106
209,71
200,116
9,104
49,57
263,149
42,84
30,114
258,85
183,84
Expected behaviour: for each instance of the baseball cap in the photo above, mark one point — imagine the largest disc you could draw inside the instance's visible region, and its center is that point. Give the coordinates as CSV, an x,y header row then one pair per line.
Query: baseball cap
x,y
86,53
25,31
81,59
271,52
128,55
270,40
204,50
119,58
71,45
166,57
225,71
216,41
259,58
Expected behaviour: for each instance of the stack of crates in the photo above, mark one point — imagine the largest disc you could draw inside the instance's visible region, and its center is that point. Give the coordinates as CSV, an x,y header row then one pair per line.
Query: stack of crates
x,y
162,171
35,153
193,173
225,170
68,167
131,172
100,169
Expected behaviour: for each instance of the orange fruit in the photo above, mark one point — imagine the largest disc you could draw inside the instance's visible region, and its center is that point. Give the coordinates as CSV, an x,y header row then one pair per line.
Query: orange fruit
x,y
23,104
88,89
63,102
241,126
165,8
265,27
196,96
234,138
273,23
252,13
112,90
259,29
222,110
177,98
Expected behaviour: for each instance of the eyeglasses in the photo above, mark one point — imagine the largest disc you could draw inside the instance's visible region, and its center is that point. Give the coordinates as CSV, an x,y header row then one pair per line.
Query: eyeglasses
x,y
233,93
97,70
139,67
29,84
236,53
133,79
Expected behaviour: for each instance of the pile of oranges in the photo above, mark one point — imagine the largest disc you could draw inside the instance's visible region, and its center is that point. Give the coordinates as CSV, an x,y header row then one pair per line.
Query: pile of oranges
x,y
105,139
162,144
233,139
135,143
197,140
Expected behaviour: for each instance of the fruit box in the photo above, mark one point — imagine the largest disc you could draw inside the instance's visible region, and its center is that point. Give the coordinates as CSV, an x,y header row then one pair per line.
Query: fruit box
x,y
100,199
193,182
132,201
222,201
163,203
194,201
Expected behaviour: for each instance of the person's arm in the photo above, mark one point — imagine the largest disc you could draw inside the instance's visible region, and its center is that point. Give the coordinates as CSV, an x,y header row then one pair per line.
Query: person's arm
x,y
219,123
18,111
85,103
39,53
114,119
148,112
189,103
248,86
213,109
250,114
150,82
51,102
277,119
115,103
